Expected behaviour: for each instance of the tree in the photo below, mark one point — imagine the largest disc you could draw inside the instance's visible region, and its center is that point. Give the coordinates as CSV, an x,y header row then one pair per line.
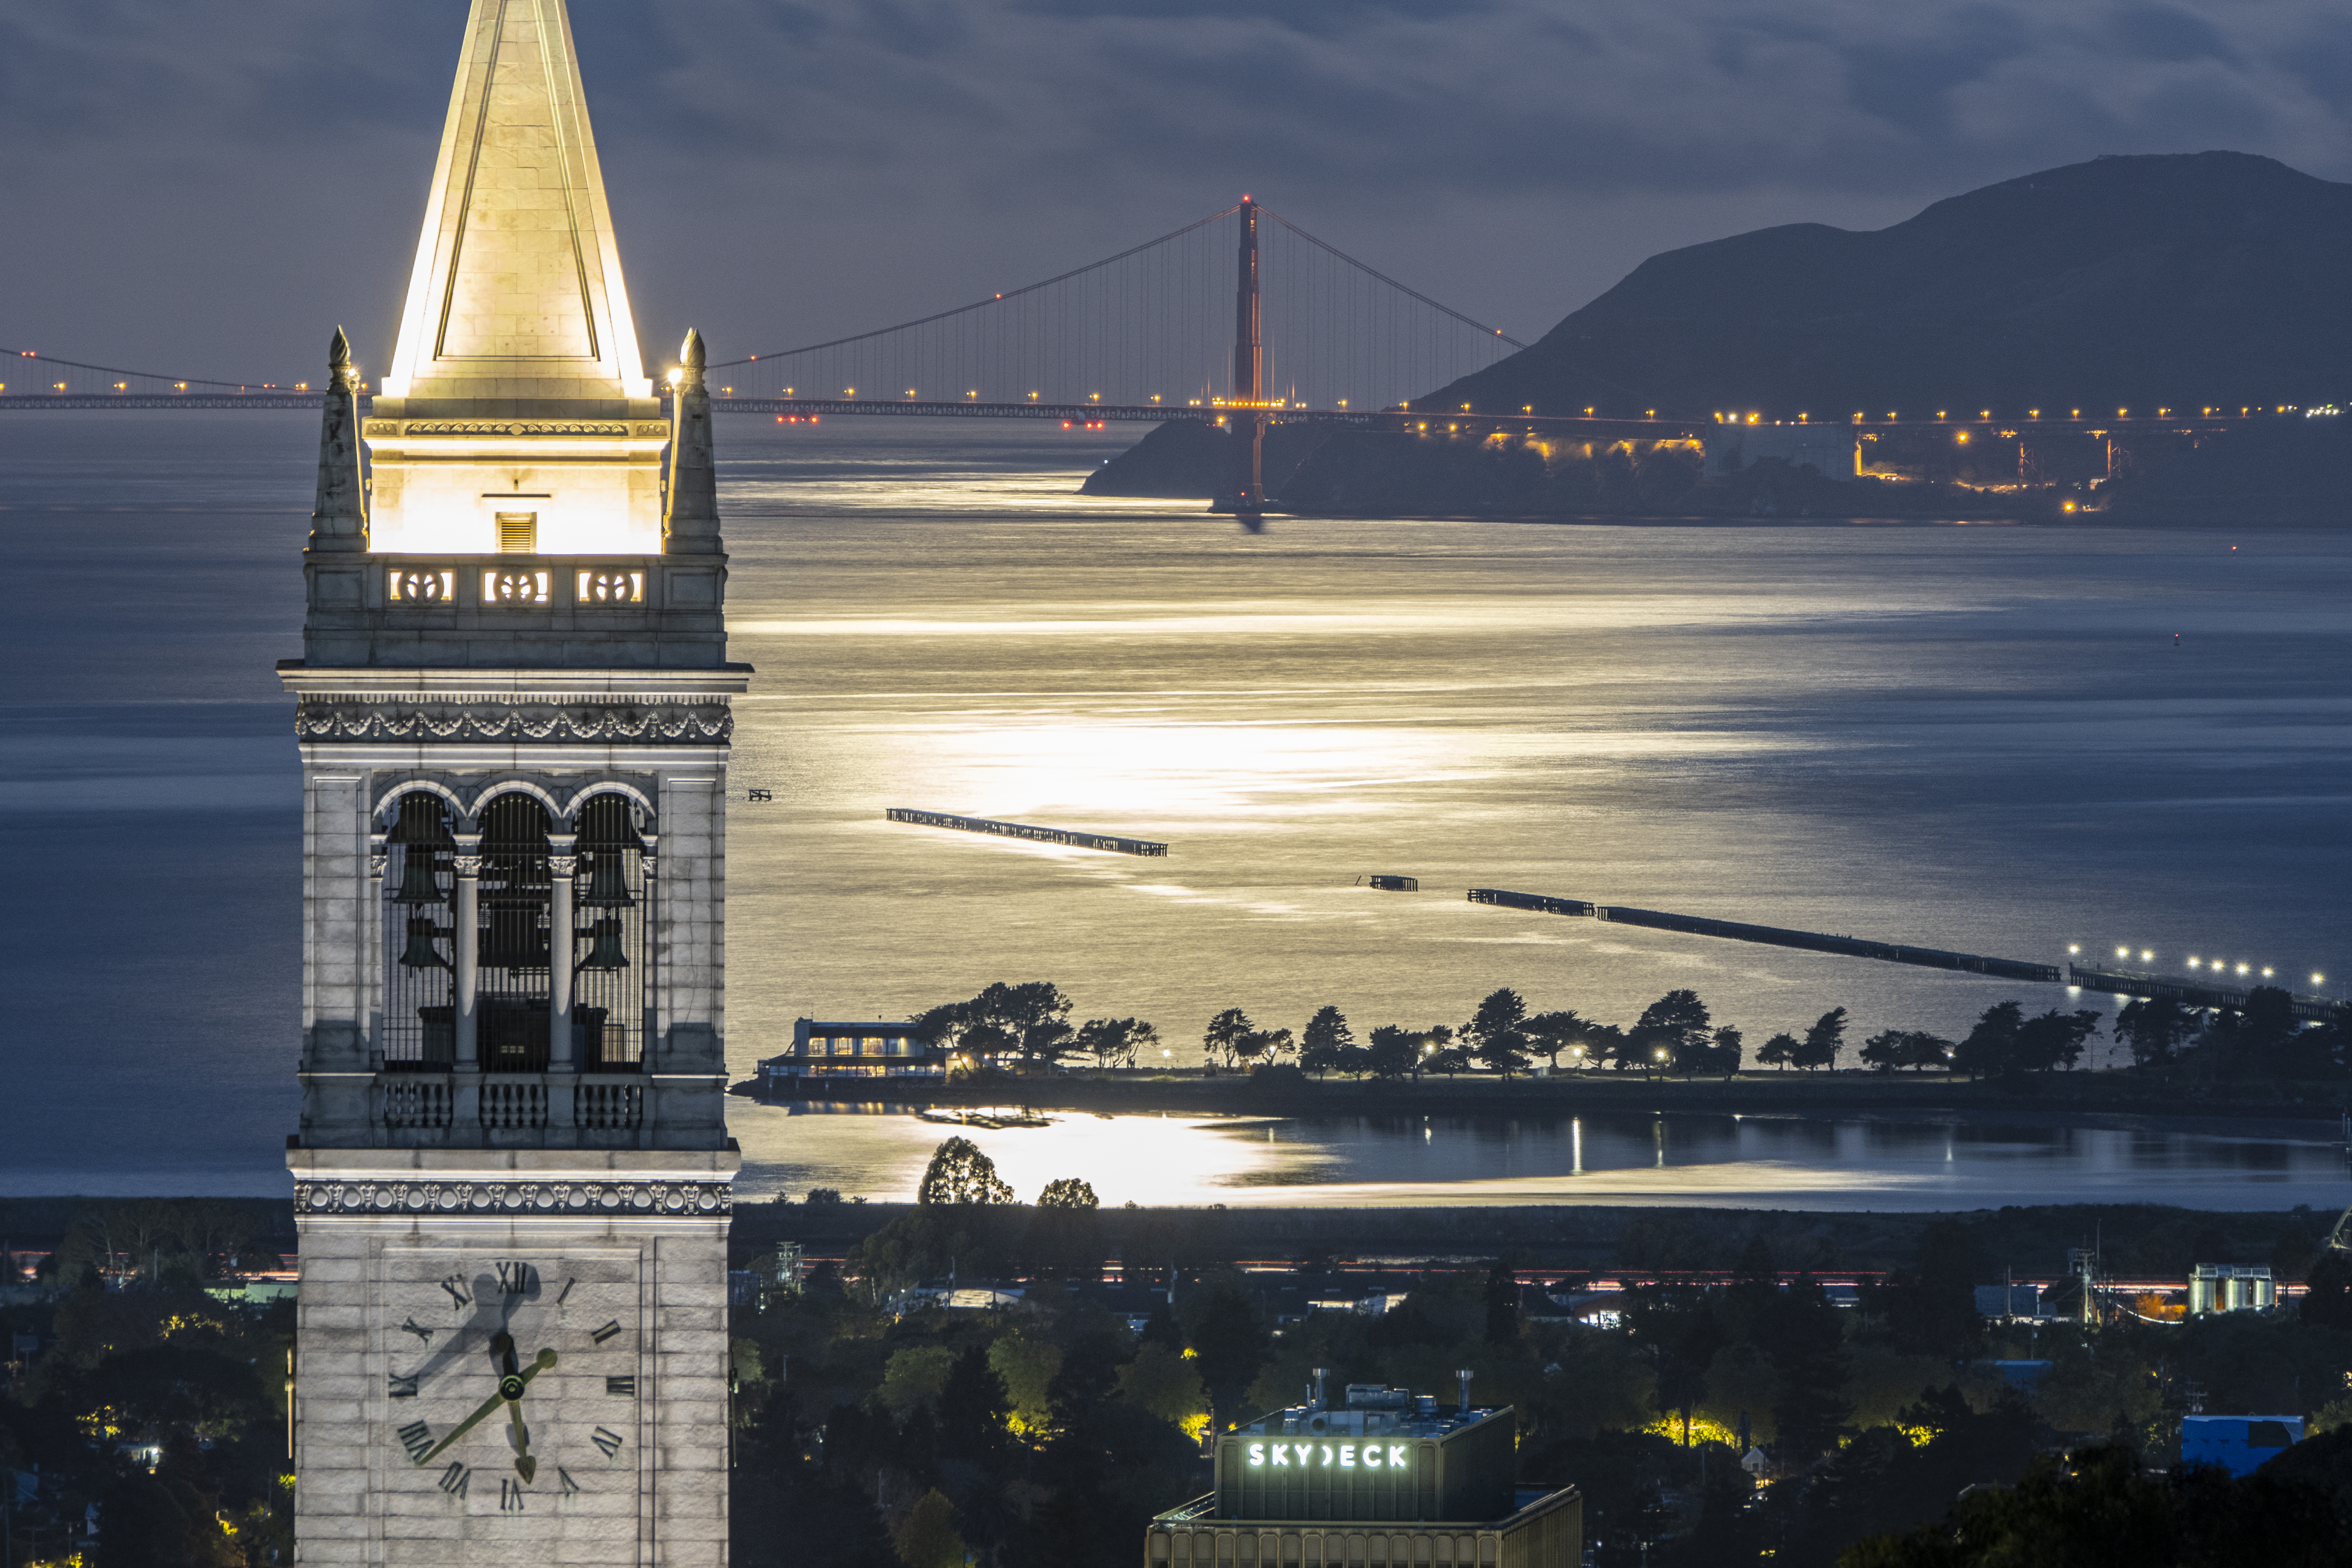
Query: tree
x,y
959,1173
1064,1230
2327,1292
1678,1324
1549,1034
1823,1041
1802,1336
1162,1382
1931,1308
1031,1019
1068,1192
1394,1051
2155,1028
1780,1050
1606,1043
1227,1336
1225,1034
1114,1042
927,1537
1328,1041
1991,1045
972,1406
1493,1035
1502,1302
1439,1052
1269,1043
1676,1024
1898,1048
2055,1038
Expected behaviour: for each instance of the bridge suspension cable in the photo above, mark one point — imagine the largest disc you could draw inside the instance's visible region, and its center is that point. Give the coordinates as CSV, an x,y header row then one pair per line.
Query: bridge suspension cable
x,y
1152,325
31,372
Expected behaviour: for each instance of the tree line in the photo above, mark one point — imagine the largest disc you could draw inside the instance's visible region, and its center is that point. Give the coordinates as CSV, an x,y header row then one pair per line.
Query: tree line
x,y
1675,1035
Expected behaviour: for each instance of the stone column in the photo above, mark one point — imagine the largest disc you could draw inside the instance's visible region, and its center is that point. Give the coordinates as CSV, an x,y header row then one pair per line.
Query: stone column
x,y
563,865
371,952
650,1028
468,861
563,1065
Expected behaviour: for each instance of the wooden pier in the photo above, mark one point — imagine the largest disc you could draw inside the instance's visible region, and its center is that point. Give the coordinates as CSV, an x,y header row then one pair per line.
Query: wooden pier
x,y
1072,837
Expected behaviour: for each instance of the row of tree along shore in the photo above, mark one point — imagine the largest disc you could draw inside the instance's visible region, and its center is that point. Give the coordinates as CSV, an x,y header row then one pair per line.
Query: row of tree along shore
x,y
2261,1051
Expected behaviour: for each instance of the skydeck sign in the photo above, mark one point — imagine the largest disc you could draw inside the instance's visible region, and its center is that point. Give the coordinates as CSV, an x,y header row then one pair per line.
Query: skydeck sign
x,y
1327,1455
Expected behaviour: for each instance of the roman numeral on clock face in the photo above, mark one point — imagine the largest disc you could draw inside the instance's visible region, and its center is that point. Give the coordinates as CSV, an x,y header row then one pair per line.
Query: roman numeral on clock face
x,y
608,1441
607,1332
456,1285
625,1387
424,1335
510,1495
417,1439
454,1478
399,1387
514,1278
563,1478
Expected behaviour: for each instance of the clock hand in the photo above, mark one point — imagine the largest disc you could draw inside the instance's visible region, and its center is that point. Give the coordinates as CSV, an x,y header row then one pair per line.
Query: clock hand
x,y
518,1381
519,1436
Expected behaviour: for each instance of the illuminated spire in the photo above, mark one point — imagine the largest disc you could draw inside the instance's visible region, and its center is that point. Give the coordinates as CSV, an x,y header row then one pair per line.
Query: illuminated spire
x,y
691,524
516,303
339,515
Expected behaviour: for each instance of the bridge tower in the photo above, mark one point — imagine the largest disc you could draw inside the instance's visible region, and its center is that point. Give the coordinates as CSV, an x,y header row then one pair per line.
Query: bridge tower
x,y
1248,424
512,1174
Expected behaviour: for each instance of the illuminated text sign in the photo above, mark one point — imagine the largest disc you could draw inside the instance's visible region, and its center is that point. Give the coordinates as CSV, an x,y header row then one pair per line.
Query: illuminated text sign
x,y
1327,1455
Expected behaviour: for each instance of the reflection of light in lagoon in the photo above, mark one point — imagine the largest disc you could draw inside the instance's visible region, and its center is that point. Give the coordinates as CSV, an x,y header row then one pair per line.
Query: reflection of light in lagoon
x,y
1775,1160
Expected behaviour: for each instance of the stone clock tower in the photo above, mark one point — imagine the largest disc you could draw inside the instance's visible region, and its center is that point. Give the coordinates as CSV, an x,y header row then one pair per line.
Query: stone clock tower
x,y
512,1175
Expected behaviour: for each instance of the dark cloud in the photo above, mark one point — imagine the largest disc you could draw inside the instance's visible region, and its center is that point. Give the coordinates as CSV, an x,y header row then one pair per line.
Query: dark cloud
x,y
203,183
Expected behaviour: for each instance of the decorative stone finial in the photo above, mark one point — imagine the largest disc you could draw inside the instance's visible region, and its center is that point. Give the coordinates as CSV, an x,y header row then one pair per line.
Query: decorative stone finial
x,y
338,515
690,526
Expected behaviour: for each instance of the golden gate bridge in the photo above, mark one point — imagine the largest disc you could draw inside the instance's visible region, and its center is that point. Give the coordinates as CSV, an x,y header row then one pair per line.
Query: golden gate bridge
x,y
1238,321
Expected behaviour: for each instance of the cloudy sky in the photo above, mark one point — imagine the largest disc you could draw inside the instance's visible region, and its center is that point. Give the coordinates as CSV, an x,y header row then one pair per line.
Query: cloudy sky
x,y
207,186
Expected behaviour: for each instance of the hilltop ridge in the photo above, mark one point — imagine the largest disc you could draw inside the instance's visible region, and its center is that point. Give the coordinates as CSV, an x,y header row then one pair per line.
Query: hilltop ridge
x,y
2182,279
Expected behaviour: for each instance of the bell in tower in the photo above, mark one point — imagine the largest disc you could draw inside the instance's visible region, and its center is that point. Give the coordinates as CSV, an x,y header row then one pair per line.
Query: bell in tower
x,y
512,708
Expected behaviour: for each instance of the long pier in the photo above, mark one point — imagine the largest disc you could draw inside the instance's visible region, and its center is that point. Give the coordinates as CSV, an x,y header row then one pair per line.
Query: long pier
x,y
2195,993
1778,936
1073,837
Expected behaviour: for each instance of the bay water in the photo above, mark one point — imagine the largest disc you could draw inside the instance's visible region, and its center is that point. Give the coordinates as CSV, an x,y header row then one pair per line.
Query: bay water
x,y
2004,740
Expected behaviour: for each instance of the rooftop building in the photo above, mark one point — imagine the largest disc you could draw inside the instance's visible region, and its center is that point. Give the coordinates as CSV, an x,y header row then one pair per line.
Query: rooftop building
x,y
1386,1477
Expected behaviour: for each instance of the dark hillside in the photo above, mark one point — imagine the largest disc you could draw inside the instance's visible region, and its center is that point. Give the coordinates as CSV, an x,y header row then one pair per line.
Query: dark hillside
x,y
2182,280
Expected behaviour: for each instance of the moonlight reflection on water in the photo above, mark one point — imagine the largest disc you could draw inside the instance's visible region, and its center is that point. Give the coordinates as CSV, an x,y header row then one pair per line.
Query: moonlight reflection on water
x,y
1779,1162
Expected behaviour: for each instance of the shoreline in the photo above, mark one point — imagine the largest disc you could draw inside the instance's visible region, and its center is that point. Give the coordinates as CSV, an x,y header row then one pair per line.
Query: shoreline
x,y
2312,1109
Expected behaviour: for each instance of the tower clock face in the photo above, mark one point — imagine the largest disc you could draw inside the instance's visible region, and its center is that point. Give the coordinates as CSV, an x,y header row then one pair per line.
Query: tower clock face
x,y
511,1381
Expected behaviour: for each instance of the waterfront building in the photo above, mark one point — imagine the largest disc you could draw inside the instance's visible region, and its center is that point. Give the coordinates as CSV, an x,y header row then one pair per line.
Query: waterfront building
x,y
512,1175
1386,1479
826,1056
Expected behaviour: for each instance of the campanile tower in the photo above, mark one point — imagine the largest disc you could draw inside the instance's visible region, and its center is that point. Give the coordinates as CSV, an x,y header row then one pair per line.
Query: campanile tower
x,y
512,1174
